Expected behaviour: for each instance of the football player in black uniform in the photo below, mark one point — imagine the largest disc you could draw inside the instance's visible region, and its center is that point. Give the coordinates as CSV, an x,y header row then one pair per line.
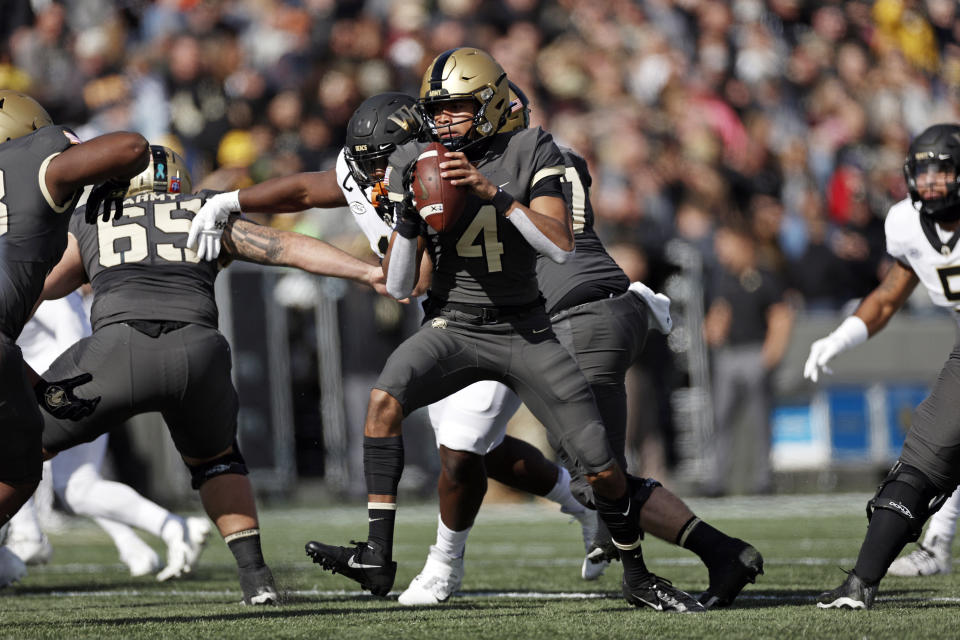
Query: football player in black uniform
x,y
155,344
602,321
922,234
486,319
43,169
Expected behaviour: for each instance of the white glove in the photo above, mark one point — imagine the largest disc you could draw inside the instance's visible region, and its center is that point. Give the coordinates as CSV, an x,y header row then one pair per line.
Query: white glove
x,y
658,307
850,333
208,225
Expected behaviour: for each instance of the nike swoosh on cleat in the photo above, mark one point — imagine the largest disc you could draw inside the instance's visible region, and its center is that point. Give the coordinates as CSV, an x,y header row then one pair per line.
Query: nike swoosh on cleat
x,y
541,331
627,512
353,564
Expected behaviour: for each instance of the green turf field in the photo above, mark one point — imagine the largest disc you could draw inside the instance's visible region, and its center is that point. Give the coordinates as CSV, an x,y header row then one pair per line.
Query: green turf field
x,y
522,581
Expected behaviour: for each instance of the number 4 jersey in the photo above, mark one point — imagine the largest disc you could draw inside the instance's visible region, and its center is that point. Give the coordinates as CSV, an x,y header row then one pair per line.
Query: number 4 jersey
x,y
139,266
484,260
916,242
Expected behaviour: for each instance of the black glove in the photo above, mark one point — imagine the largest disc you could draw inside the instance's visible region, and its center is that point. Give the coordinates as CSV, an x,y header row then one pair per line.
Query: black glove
x,y
107,194
58,400
409,222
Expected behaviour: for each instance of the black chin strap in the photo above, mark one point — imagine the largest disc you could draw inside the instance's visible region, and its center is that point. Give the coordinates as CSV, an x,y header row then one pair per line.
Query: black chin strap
x,y
929,227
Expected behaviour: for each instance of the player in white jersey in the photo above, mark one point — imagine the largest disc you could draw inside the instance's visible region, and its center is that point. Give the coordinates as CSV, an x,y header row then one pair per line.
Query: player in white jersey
x,y
922,233
55,326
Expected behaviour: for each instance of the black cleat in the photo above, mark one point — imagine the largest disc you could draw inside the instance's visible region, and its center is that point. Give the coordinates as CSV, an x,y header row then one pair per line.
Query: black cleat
x,y
728,579
258,587
854,593
660,595
360,563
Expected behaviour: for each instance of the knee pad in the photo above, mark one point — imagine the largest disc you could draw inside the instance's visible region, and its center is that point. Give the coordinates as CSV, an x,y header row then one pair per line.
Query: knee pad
x,y
232,462
640,490
915,500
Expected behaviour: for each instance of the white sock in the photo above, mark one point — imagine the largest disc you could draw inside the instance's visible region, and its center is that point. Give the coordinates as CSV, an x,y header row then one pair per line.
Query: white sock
x,y
943,524
126,540
24,525
90,495
561,493
449,542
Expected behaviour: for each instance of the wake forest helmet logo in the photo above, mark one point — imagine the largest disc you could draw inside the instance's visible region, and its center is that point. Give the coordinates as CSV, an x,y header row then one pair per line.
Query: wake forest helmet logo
x,y
406,118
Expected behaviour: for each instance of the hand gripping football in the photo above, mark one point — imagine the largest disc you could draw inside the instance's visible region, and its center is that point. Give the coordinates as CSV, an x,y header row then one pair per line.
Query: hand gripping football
x,y
439,202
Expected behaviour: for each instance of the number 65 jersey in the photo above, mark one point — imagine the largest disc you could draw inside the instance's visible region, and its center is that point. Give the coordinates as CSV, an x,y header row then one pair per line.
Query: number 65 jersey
x,y
139,266
914,240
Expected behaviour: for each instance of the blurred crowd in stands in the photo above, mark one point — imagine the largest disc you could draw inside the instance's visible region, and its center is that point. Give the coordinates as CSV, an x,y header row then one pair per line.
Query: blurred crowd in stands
x,y
785,119
789,116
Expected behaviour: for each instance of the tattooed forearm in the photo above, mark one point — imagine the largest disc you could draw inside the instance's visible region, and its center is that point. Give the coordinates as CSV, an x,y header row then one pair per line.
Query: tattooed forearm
x,y
253,242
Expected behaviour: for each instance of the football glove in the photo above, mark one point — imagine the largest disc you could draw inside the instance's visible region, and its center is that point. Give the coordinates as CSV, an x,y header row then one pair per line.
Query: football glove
x,y
106,195
850,333
58,400
409,222
208,225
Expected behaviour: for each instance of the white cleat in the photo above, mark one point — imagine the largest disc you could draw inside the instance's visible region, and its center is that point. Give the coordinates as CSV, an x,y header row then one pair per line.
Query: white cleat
x,y
440,578
183,551
12,567
142,562
587,518
32,551
924,561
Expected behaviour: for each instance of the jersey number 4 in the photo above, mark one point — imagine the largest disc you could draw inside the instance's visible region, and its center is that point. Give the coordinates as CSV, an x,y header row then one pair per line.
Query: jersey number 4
x,y
127,241
471,245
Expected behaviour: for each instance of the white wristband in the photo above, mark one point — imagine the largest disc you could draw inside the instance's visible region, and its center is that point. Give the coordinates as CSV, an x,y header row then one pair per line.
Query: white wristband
x,y
851,332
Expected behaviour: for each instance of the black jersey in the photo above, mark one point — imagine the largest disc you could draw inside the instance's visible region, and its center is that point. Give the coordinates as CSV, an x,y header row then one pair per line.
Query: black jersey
x,y
139,266
484,260
590,273
33,228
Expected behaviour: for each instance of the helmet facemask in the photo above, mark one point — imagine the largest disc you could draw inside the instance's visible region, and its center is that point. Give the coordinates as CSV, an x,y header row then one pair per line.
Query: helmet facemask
x,y
932,160
934,171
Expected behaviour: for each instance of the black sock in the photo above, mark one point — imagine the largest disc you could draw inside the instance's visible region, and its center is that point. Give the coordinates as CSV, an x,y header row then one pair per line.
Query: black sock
x,y
704,540
380,524
621,517
889,531
245,546
382,468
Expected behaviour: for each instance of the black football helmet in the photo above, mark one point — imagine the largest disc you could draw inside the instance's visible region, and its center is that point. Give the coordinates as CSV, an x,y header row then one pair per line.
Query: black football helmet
x,y
937,149
375,129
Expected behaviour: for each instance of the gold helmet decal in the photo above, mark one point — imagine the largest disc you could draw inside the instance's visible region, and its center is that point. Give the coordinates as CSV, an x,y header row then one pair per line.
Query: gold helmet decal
x,y
20,114
166,173
519,114
469,74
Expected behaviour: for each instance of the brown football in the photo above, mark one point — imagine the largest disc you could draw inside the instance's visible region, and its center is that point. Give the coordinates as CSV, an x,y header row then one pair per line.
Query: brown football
x,y
439,202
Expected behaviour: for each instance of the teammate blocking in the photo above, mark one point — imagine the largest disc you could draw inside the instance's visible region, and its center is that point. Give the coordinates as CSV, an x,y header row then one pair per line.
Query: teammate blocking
x,y
922,234
154,311
43,169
